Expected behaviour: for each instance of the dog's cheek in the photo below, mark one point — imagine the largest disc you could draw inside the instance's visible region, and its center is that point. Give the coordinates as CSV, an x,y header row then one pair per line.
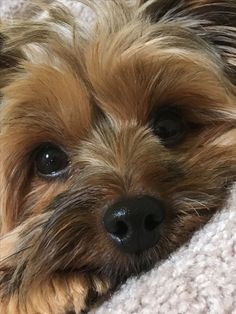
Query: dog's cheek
x,y
225,140
203,189
40,195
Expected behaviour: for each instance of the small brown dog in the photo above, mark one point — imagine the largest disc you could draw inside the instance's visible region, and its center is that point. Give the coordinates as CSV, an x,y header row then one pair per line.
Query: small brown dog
x,y
117,143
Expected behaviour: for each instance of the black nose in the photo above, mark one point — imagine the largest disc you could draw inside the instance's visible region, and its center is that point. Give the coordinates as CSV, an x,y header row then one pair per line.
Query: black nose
x,y
134,223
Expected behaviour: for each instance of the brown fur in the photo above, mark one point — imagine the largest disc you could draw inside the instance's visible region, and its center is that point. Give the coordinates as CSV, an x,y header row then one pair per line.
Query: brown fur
x,y
94,93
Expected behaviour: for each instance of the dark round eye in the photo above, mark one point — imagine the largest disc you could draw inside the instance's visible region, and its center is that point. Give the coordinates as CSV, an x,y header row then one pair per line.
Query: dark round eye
x,y
50,160
169,126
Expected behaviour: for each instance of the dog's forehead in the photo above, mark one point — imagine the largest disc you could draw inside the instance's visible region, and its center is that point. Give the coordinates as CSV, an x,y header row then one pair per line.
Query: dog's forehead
x,y
133,85
126,79
142,66
60,103
126,73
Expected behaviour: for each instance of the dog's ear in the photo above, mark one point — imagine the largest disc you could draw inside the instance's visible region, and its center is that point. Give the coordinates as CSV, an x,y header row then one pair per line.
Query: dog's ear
x,y
9,58
213,20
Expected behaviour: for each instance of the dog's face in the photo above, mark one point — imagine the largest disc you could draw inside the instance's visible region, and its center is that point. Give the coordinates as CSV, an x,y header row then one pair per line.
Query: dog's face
x,y
116,144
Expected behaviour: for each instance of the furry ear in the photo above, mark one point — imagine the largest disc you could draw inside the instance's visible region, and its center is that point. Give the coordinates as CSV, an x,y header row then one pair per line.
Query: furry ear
x,y
9,58
212,20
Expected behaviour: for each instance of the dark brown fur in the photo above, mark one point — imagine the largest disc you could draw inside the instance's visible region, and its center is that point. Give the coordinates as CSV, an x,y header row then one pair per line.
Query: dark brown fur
x,y
95,93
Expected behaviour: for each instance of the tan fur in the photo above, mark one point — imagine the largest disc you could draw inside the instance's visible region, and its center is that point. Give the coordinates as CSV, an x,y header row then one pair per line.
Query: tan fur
x,y
94,92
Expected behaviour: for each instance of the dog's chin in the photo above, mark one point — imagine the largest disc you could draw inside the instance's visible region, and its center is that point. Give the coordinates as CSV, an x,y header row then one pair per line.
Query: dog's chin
x,y
116,273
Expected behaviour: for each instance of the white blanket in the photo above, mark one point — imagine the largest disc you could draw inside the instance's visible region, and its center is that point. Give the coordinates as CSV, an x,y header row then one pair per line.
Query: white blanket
x,y
199,278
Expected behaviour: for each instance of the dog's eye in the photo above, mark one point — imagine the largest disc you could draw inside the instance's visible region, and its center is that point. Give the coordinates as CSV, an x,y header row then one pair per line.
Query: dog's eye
x,y
169,126
50,160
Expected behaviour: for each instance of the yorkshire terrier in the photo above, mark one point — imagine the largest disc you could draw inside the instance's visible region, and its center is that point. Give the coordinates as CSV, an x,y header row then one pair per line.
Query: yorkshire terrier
x,y
118,142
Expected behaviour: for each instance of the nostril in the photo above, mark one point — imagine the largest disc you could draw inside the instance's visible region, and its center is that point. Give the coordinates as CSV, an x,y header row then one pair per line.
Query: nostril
x,y
120,229
151,222
134,224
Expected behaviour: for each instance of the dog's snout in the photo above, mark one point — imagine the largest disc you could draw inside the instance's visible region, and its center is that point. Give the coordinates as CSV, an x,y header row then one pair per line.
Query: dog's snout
x,y
134,223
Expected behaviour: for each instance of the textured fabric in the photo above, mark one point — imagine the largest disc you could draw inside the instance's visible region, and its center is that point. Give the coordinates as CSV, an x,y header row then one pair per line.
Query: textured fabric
x,y
21,8
199,278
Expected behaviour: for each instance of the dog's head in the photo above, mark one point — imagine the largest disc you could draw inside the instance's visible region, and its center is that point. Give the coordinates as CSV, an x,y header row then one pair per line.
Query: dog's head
x,y
117,143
